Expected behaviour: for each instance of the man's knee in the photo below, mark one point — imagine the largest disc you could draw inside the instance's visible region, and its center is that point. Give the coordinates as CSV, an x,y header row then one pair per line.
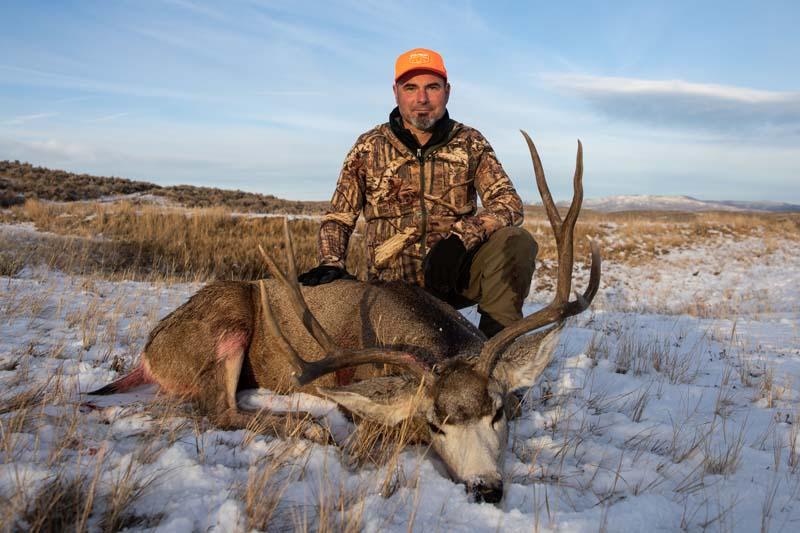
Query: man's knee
x,y
509,248
501,273
516,245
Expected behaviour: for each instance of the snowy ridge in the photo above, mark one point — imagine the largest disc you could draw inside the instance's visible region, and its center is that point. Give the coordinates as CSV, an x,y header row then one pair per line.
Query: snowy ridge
x,y
678,203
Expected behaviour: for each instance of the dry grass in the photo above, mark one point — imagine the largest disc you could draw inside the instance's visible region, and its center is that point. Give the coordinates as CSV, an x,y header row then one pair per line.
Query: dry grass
x,y
640,237
638,355
126,488
144,242
122,239
74,496
58,505
722,455
267,480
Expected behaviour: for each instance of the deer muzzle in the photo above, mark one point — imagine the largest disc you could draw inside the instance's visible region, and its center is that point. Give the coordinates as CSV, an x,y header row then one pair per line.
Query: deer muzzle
x,y
486,491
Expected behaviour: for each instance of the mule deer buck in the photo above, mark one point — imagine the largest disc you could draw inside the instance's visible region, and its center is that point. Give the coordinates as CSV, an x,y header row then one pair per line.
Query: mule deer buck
x,y
231,336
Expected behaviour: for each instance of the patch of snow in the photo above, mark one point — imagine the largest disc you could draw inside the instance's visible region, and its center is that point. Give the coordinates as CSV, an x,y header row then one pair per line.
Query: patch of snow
x,y
277,215
624,430
149,198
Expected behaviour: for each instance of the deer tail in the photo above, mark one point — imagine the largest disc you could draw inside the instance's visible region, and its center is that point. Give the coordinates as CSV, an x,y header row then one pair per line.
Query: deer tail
x,y
139,376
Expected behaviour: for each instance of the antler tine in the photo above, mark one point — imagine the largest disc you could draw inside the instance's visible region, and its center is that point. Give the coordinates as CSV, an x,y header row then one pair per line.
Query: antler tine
x,y
299,305
335,358
292,265
544,190
566,238
577,189
297,362
594,275
560,308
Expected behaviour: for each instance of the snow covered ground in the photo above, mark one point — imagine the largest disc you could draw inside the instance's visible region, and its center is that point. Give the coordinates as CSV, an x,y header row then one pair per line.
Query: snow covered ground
x,y
671,405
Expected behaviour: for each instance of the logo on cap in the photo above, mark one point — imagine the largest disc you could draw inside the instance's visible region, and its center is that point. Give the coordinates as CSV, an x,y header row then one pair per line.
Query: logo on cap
x,y
419,58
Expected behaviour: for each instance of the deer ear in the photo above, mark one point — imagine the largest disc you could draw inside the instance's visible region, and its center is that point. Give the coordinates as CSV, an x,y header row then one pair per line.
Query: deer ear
x,y
388,400
522,363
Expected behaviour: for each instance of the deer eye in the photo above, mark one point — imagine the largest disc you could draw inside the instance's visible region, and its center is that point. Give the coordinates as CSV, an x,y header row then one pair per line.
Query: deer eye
x,y
498,414
435,429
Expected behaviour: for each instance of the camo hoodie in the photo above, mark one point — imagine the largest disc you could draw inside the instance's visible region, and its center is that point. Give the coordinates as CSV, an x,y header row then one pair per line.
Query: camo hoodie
x,y
412,196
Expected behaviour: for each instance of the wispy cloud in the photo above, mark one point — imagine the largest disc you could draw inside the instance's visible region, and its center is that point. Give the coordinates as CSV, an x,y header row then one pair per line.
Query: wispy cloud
x,y
51,150
681,103
303,121
197,8
16,121
290,93
107,118
72,99
12,74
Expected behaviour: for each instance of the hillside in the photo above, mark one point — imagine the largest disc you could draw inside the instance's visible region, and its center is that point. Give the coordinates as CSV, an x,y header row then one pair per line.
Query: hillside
x,y
20,181
610,204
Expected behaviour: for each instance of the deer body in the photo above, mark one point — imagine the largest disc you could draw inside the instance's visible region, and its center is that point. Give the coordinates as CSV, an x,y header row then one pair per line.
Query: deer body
x,y
357,315
334,340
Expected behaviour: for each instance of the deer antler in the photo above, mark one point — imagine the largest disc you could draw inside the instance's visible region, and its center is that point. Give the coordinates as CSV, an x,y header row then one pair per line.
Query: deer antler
x,y
336,357
560,308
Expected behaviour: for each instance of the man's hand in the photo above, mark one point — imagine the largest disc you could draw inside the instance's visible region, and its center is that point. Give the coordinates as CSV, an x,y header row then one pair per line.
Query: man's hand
x,y
323,274
443,265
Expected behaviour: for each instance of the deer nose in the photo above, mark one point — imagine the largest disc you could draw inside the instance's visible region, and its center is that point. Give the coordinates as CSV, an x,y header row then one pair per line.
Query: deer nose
x,y
487,492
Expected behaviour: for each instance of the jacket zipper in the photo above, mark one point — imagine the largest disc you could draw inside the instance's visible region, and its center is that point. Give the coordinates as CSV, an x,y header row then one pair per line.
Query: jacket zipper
x,y
423,209
433,172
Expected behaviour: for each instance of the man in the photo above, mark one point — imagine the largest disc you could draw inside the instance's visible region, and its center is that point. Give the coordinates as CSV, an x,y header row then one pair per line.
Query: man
x,y
415,179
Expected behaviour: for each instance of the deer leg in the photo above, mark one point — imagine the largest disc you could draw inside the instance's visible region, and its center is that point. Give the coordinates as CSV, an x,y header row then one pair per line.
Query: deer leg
x,y
229,358
291,425
232,369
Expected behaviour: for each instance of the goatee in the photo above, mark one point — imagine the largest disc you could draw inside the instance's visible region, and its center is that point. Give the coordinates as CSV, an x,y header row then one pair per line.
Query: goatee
x,y
424,123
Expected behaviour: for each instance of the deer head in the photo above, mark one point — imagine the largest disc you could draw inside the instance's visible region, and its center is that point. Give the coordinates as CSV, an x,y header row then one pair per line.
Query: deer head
x,y
464,401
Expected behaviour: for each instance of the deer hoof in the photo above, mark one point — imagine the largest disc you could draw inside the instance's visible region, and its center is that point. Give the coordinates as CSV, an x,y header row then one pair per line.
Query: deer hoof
x,y
316,432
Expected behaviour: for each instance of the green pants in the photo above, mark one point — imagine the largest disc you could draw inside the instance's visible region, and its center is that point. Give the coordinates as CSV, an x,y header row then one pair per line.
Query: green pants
x,y
500,273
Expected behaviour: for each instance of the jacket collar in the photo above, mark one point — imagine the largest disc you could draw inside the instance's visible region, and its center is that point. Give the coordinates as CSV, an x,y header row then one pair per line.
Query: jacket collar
x,y
441,131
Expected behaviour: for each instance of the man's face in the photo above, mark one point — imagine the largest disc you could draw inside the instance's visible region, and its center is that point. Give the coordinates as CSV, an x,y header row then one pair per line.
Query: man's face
x,y
422,99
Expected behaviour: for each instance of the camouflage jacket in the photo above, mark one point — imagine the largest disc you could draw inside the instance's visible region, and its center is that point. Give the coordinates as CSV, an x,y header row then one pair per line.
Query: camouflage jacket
x,y
412,200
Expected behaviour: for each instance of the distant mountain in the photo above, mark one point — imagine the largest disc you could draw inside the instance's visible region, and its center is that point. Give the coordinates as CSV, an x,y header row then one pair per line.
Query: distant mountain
x,y
679,203
762,206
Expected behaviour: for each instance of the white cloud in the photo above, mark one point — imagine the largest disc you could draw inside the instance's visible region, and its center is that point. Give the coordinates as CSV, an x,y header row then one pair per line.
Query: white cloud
x,y
739,111
27,76
291,93
600,84
16,121
197,8
107,118
47,151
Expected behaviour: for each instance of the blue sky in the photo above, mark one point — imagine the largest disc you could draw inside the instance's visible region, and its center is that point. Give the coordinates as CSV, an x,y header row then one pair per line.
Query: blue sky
x,y
696,98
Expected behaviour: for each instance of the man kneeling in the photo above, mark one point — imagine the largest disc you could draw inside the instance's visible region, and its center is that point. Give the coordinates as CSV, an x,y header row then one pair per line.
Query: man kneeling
x,y
416,178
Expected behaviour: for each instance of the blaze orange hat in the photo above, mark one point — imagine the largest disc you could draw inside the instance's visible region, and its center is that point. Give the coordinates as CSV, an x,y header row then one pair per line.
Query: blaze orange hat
x,y
419,59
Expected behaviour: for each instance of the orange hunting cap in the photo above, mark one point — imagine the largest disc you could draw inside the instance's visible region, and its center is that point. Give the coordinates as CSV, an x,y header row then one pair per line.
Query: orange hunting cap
x,y
419,59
